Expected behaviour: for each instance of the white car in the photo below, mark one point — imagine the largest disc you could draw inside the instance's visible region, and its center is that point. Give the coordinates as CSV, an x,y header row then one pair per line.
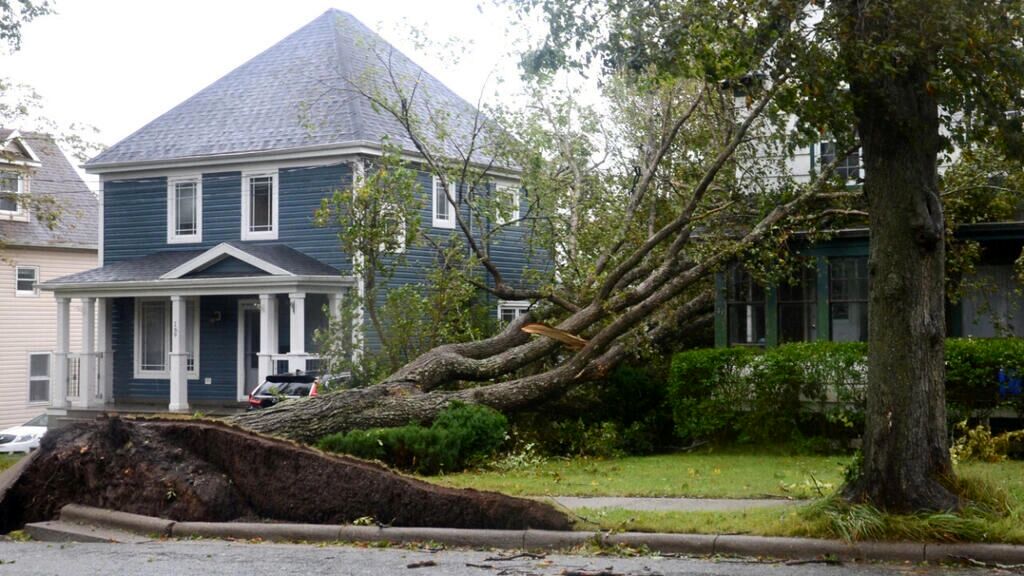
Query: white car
x,y
24,438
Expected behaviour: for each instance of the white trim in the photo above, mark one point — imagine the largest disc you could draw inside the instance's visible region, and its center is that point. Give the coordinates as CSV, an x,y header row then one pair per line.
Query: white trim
x,y
218,253
100,225
520,306
28,377
302,155
514,214
16,137
201,286
172,209
271,234
165,374
34,292
438,221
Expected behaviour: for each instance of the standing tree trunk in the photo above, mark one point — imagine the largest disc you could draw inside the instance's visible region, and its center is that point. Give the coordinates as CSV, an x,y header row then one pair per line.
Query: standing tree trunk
x,y
905,452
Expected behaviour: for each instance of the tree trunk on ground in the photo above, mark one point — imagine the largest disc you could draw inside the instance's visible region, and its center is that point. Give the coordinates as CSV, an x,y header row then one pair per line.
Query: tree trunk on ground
x,y
905,452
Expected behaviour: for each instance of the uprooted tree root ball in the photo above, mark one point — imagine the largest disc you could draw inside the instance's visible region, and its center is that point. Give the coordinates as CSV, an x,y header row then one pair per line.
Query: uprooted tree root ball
x,y
207,471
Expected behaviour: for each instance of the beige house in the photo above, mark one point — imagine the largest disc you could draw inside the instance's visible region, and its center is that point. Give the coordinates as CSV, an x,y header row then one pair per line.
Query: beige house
x,y
34,170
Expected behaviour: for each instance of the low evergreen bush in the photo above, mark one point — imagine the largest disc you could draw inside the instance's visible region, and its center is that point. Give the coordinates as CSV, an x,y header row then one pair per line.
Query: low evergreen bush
x,y
461,435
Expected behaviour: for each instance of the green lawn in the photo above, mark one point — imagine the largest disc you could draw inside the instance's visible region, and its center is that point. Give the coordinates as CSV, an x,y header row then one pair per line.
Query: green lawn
x,y
8,460
705,474
745,473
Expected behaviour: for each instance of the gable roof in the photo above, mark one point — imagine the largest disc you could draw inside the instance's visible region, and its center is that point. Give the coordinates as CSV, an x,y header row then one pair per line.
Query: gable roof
x,y
51,175
272,259
299,94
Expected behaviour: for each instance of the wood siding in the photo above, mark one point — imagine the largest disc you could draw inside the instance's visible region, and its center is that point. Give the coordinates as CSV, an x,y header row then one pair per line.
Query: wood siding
x,y
29,323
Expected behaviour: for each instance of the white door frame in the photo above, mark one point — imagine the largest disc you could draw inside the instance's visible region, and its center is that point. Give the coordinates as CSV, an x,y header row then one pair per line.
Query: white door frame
x,y
243,303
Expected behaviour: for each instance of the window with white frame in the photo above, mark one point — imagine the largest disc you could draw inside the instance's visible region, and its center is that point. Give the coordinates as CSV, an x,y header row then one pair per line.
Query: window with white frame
x,y
507,199
259,206
153,338
39,377
443,209
26,282
185,210
12,184
509,310
848,168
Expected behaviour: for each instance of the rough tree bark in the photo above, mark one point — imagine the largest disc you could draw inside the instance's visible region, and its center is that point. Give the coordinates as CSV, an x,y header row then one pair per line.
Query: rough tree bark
x,y
905,452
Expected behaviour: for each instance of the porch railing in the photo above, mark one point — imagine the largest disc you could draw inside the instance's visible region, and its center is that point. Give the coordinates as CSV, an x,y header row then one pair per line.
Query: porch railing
x,y
74,376
284,363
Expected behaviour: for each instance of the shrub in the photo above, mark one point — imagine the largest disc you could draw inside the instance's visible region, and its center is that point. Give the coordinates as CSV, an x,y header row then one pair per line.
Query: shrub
x,y
461,435
972,373
762,396
768,395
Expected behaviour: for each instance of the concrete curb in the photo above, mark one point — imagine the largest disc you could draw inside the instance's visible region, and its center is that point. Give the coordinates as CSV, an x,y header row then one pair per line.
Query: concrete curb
x,y
693,544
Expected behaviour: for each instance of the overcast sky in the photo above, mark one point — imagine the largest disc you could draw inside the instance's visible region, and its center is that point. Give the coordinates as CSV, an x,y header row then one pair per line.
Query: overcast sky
x,y
117,64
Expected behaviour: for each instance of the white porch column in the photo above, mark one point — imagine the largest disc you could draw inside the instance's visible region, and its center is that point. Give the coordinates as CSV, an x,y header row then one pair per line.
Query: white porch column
x,y
59,381
105,346
335,300
268,335
179,356
87,368
297,325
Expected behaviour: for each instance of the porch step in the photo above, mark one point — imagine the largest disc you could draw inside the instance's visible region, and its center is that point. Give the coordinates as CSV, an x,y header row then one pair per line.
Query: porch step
x,y
64,531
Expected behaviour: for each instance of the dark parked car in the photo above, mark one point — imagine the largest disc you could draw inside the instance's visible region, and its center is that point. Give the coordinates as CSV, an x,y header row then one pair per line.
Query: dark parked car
x,y
281,386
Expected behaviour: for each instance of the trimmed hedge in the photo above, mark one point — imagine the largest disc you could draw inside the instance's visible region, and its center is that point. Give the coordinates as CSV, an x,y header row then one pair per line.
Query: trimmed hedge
x,y
770,395
461,435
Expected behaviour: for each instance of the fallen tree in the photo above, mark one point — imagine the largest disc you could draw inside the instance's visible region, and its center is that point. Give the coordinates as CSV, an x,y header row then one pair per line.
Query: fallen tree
x,y
206,471
634,250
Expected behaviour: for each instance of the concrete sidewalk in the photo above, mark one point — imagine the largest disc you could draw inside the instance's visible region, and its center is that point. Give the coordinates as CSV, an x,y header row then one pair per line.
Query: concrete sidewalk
x,y
670,504
96,520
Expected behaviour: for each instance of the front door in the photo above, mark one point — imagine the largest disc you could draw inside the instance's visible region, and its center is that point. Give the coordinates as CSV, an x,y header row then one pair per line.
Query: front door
x,y
249,340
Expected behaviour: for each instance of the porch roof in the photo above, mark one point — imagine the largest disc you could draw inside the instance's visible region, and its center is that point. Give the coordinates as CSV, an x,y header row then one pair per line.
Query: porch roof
x,y
229,267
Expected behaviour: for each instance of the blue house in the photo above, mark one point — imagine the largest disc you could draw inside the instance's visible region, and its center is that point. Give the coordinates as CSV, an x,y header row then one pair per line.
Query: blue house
x,y
213,274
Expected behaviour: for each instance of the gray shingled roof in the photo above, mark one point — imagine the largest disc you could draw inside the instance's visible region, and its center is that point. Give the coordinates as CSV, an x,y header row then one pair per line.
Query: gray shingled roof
x,y
78,205
153,266
303,92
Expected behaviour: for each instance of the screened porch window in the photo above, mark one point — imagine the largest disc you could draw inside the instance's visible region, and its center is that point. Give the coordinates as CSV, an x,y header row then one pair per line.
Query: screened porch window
x,y
798,307
848,299
744,308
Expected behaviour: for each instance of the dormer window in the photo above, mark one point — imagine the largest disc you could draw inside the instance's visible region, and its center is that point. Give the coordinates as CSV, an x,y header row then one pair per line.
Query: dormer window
x,y
185,209
12,184
259,206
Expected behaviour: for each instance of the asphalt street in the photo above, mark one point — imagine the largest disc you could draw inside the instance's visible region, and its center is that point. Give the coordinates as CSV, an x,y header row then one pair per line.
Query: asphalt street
x,y
195,558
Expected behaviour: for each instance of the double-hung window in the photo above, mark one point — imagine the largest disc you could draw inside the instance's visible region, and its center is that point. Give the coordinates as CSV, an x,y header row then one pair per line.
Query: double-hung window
x,y
507,198
259,205
153,338
39,377
185,210
12,184
26,281
509,310
745,302
848,168
443,208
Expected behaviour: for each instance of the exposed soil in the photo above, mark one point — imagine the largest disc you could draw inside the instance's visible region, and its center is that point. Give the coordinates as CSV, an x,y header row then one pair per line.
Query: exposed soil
x,y
207,471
